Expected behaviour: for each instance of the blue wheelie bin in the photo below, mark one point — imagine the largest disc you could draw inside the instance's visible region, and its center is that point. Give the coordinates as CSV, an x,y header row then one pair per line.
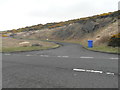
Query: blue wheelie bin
x,y
90,43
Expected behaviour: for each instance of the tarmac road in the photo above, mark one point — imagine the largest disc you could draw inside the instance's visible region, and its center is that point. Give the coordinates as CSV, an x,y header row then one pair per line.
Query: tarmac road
x,y
69,66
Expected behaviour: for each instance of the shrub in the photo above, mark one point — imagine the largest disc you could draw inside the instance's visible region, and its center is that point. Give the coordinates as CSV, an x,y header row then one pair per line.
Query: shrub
x,y
4,35
36,44
115,40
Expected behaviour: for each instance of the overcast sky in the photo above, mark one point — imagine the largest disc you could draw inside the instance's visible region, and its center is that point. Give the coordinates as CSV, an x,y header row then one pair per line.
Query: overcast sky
x,y
20,13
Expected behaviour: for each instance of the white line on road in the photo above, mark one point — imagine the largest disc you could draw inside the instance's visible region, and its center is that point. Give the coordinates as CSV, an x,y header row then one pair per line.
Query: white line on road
x,y
92,71
113,58
83,70
86,57
82,57
41,55
110,73
28,55
44,55
65,56
7,54
59,56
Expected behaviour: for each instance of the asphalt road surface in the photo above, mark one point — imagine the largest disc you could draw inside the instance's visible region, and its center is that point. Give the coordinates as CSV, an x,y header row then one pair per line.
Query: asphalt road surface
x,y
69,66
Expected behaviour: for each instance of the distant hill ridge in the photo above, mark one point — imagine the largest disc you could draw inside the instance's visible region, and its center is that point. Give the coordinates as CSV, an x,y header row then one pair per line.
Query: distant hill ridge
x,y
60,24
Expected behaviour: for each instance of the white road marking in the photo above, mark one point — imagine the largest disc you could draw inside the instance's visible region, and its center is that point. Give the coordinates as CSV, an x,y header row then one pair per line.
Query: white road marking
x,y
92,71
110,73
65,56
83,57
28,55
59,56
86,57
41,55
44,55
113,58
83,70
7,54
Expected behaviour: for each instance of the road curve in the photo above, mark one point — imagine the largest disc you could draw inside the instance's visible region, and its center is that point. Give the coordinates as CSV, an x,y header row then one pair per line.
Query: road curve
x,y
69,66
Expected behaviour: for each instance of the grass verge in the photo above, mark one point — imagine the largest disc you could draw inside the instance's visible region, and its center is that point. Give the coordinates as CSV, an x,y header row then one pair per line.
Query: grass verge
x,y
104,48
30,48
12,45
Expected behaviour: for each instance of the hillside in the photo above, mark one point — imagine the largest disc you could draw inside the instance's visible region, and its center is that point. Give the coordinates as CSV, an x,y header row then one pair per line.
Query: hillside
x,y
99,28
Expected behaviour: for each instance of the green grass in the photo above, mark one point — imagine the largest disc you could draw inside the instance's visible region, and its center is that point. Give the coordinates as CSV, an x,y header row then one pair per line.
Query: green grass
x,y
30,48
104,48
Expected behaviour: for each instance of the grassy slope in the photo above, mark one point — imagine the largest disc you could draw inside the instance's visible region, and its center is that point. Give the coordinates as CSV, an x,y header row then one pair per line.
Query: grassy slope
x,y
105,49
34,48
10,47
102,48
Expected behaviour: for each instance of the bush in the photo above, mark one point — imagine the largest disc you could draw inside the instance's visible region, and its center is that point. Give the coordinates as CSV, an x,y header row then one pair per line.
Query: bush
x,y
115,40
4,35
36,44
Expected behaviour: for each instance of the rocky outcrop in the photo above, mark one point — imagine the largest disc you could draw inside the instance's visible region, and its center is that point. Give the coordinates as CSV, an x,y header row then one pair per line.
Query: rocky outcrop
x,y
80,29
24,44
